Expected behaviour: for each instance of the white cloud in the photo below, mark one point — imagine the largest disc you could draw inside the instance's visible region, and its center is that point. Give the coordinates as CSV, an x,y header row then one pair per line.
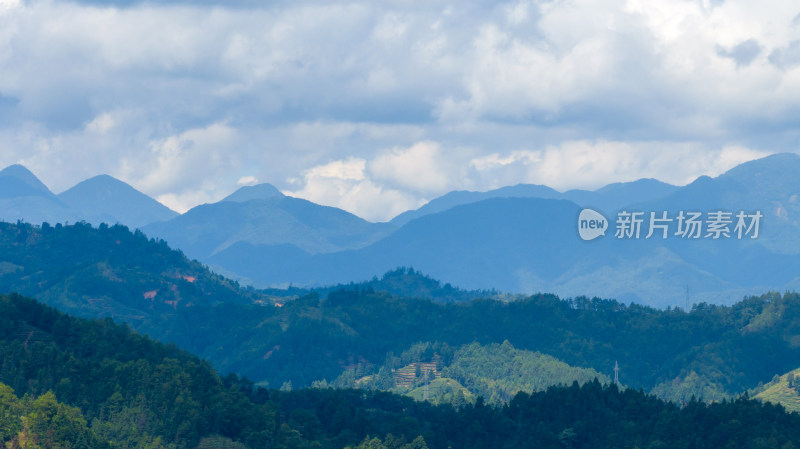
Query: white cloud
x,y
377,107
421,168
593,164
247,181
343,184
101,124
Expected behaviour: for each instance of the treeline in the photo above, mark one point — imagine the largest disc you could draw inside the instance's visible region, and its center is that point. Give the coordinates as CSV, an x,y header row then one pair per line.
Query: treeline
x,y
405,282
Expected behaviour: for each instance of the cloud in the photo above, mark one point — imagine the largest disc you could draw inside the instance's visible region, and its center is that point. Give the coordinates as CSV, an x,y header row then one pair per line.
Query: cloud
x,y
593,164
184,168
421,168
343,184
101,124
380,106
376,195
247,181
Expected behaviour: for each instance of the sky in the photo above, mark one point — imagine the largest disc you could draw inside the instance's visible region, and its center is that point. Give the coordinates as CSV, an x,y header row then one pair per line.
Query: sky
x,y
379,106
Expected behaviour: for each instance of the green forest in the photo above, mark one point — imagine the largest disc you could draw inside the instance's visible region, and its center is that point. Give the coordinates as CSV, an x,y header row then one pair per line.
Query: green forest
x,y
711,352
442,374
358,366
77,383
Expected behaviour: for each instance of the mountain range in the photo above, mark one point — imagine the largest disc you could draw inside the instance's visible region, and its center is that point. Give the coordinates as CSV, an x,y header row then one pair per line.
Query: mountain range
x,y
96,200
520,238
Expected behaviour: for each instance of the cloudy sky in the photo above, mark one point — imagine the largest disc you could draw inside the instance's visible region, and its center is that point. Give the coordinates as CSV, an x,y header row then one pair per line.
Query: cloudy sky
x,y
376,107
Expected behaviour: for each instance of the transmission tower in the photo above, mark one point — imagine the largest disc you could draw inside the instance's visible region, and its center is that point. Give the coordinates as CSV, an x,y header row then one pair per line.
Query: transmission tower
x,y
425,379
616,373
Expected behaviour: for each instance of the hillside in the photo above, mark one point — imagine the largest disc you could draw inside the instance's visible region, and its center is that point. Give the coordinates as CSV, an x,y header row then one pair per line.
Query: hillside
x,y
781,390
110,271
117,386
443,374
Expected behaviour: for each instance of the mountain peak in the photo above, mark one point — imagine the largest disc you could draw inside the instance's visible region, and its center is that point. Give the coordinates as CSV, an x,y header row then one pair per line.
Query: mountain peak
x,y
32,184
104,198
256,192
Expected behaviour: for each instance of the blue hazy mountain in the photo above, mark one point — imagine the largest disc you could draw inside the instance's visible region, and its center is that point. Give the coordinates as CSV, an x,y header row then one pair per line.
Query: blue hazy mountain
x,y
261,215
257,192
612,197
460,197
100,199
104,199
523,244
608,198
770,185
512,244
24,197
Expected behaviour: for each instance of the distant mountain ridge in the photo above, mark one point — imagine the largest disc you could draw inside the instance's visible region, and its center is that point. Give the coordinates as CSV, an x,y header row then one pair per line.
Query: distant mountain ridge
x,y
24,197
249,218
104,199
101,199
516,242
517,239
607,198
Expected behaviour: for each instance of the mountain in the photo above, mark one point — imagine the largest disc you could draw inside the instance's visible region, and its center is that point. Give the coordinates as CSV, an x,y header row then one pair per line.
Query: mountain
x,y
104,199
608,198
460,197
512,244
260,216
100,199
769,185
617,195
256,192
113,272
19,181
24,197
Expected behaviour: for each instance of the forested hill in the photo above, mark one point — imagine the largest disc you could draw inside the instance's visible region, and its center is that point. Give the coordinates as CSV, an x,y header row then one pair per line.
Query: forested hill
x,y
713,352
109,271
132,392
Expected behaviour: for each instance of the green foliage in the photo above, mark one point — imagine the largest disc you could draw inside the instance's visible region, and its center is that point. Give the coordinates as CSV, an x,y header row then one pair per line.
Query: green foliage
x,y
43,423
141,394
136,392
499,371
781,390
496,372
391,443
404,282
